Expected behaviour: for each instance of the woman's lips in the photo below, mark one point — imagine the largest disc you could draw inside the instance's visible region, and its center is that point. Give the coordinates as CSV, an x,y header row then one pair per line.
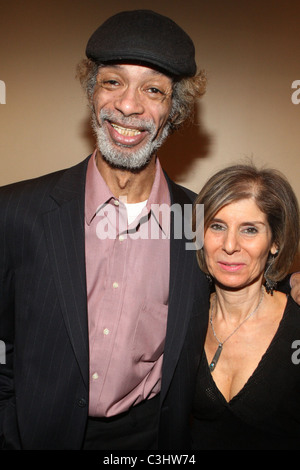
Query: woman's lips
x,y
231,267
125,135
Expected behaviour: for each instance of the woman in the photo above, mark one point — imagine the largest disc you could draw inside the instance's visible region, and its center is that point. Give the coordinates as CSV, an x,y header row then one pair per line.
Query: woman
x,y
248,386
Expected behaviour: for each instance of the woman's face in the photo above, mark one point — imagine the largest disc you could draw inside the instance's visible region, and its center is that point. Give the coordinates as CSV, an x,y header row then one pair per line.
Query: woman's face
x,y
237,244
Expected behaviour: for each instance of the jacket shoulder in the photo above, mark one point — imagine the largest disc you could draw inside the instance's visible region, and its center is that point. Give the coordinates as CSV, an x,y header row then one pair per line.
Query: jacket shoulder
x,y
179,192
43,185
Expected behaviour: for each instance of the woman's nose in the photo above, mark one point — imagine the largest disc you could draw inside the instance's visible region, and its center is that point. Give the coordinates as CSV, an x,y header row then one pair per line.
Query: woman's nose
x,y
231,242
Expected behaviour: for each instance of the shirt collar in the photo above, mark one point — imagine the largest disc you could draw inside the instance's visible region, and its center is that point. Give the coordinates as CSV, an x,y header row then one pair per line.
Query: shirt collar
x,y
97,193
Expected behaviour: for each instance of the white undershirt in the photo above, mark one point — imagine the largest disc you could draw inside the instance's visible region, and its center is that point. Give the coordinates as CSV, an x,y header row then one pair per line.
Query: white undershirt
x,y
133,210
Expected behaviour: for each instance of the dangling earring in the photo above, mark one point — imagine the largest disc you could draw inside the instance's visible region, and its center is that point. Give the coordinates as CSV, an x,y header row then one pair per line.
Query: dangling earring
x,y
270,285
209,279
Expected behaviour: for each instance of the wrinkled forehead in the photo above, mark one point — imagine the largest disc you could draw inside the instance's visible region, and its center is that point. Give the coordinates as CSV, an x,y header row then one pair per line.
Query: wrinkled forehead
x,y
129,69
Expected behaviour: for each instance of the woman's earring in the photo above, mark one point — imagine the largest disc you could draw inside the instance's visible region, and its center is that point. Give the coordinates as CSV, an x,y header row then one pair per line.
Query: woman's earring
x,y
270,285
209,279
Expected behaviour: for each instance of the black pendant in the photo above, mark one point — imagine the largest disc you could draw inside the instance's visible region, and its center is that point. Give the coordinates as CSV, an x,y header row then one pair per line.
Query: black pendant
x,y
216,357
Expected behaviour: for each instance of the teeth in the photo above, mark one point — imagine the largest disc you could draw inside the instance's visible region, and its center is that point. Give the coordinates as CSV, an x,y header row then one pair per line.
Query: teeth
x,y
126,132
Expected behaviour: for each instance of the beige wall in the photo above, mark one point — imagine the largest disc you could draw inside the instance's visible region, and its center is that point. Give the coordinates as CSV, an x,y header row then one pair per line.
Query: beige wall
x,y
249,50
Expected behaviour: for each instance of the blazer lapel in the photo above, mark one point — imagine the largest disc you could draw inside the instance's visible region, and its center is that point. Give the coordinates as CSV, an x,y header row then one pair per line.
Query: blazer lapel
x,y
182,266
64,228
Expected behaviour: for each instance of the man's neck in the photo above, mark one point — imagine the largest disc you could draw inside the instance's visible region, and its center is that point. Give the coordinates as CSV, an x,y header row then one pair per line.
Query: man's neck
x,y
136,187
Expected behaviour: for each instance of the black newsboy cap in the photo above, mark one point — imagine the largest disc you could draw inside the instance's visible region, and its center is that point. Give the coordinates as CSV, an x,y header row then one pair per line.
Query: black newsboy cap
x,y
144,37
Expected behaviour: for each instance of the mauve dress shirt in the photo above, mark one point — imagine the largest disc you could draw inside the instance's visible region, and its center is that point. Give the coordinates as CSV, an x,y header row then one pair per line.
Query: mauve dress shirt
x,y
127,291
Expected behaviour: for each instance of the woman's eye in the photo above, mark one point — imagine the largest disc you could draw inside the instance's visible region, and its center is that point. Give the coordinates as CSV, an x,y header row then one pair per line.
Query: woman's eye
x,y
250,230
217,227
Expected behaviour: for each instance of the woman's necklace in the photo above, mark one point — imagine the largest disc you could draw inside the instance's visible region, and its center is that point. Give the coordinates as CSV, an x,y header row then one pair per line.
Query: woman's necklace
x,y
216,357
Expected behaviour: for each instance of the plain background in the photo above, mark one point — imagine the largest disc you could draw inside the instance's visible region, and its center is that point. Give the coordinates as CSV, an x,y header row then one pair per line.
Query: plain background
x,y
249,49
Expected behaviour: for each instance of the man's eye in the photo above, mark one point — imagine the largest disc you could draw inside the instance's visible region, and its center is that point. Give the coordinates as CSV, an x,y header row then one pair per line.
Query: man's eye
x,y
154,90
111,83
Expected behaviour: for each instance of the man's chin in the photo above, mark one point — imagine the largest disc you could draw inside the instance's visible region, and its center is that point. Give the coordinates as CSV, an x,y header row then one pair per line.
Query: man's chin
x,y
125,162
124,157
126,165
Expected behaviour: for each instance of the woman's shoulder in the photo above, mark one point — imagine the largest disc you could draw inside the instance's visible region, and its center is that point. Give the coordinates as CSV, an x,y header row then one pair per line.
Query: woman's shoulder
x,y
291,317
292,306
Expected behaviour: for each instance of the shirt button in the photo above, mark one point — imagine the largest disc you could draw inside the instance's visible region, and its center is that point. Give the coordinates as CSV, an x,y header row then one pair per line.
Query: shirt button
x,y
121,238
115,285
116,202
95,376
106,331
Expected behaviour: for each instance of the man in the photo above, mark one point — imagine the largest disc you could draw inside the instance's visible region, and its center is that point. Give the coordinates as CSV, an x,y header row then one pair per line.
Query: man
x,y
103,322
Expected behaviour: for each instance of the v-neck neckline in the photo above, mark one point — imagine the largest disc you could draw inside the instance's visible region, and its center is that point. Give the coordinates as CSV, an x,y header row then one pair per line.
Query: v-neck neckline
x,y
260,364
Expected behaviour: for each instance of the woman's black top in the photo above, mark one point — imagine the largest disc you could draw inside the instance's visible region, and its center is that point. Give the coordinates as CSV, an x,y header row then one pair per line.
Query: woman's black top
x,y
265,414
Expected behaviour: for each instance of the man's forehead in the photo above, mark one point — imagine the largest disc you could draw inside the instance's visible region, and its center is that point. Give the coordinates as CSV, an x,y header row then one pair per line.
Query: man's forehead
x,y
138,69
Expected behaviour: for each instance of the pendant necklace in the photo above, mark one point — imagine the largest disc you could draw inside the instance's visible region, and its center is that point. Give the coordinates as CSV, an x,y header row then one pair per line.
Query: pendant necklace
x,y
217,354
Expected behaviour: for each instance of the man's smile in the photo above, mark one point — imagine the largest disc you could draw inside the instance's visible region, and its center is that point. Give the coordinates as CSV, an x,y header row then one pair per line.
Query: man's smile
x,y
126,131
127,136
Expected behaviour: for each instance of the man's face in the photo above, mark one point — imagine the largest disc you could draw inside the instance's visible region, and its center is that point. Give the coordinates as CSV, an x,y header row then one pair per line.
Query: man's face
x,y
131,106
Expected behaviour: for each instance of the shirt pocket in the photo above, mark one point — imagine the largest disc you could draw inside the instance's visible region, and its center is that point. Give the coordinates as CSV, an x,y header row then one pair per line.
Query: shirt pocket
x,y
150,332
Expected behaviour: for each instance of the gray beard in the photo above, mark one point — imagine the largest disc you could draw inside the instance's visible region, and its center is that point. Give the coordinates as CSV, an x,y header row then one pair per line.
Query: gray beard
x,y
120,156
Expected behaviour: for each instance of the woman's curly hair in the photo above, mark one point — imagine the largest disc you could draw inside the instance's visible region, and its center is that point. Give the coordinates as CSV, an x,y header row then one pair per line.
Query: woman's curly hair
x,y
185,91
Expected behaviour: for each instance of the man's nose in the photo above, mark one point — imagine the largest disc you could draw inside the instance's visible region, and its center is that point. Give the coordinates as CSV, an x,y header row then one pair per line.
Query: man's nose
x,y
129,102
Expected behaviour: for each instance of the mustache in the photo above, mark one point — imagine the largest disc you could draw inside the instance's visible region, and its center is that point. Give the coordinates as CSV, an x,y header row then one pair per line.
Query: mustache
x,y
137,123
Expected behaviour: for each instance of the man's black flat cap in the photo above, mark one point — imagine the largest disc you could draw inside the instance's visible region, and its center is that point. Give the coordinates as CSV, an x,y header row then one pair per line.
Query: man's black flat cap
x,y
144,37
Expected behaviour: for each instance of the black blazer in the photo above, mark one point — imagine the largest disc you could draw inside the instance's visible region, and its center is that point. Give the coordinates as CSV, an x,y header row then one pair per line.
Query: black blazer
x,y
44,384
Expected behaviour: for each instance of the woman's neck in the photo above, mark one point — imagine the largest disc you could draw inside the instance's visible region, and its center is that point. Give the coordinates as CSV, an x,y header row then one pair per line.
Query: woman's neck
x,y
235,306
